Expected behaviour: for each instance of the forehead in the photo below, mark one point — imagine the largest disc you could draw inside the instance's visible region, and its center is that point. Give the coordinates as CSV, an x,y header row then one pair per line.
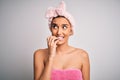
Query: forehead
x,y
60,20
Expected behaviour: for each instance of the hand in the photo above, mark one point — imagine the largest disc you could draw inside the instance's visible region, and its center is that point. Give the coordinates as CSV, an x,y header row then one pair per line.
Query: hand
x,y
51,42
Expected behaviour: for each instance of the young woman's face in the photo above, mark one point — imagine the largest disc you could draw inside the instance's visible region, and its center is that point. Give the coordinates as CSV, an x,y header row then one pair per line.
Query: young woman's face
x,y
61,28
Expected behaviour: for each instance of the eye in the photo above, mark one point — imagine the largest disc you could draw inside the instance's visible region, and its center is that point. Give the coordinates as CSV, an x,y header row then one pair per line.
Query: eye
x,y
64,27
54,26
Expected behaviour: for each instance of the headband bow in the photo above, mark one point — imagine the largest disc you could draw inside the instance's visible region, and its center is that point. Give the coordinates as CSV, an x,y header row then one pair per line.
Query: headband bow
x,y
59,11
53,12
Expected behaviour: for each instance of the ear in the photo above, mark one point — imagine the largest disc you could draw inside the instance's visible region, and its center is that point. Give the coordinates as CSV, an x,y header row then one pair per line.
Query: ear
x,y
71,32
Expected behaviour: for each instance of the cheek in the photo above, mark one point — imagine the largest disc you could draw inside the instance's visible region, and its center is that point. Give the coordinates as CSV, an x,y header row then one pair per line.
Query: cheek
x,y
68,32
54,32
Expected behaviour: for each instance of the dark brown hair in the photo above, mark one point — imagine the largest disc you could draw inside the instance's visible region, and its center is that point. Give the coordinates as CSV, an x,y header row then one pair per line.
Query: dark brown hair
x,y
60,16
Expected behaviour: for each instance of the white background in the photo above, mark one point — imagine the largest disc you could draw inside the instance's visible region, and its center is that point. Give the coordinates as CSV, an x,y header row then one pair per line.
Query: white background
x,y
23,29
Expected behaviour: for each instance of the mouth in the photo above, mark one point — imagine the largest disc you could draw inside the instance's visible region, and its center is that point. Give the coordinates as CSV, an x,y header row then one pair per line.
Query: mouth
x,y
60,38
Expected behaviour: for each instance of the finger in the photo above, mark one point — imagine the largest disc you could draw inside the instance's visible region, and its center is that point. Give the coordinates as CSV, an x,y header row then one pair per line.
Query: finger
x,y
52,43
52,39
56,41
48,38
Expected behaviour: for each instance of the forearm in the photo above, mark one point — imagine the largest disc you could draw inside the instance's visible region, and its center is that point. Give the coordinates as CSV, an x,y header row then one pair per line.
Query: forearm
x,y
47,70
51,41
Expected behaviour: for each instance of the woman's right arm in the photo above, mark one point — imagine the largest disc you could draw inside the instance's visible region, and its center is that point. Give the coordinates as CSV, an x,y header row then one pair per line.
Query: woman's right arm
x,y
38,64
43,71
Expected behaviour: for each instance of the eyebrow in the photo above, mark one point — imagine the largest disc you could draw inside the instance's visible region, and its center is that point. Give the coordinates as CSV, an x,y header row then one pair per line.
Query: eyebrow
x,y
56,24
64,24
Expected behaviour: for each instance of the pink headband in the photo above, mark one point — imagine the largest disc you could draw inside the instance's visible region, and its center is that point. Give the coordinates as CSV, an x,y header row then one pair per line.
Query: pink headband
x,y
59,11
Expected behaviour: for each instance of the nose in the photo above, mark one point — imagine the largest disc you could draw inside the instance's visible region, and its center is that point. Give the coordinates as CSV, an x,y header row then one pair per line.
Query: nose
x,y
59,31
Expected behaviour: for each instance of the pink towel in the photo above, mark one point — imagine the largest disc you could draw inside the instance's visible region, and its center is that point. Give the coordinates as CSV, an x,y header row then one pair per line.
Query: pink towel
x,y
67,74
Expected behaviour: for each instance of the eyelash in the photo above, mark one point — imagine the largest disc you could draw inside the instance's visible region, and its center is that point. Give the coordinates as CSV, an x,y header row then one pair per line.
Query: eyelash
x,y
55,26
64,27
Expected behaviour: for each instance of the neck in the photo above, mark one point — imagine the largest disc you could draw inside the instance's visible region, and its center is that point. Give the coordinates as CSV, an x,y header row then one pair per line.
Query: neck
x,y
62,48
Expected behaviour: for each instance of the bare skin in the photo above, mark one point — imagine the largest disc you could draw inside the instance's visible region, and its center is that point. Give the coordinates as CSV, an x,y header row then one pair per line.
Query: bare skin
x,y
59,55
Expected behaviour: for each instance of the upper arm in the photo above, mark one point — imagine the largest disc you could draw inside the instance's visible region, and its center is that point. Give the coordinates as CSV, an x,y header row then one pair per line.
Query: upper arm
x,y
38,64
86,67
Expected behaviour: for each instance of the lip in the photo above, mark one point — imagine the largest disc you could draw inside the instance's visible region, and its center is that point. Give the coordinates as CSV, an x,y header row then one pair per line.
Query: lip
x,y
60,37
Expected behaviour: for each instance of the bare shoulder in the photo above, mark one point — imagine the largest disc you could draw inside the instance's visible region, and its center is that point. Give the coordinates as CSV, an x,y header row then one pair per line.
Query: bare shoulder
x,y
39,59
40,53
83,57
82,53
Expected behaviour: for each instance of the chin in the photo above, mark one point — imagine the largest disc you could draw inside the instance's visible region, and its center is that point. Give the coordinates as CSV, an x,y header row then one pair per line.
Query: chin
x,y
60,42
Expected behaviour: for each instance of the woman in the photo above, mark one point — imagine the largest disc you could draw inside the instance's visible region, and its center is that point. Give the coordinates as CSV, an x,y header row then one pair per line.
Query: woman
x,y
60,61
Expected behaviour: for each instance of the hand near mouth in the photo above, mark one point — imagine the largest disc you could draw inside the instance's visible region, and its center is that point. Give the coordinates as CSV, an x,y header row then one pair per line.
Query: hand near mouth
x,y
51,42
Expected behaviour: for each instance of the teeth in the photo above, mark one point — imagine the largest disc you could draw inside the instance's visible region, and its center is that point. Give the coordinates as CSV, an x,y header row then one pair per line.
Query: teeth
x,y
60,38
